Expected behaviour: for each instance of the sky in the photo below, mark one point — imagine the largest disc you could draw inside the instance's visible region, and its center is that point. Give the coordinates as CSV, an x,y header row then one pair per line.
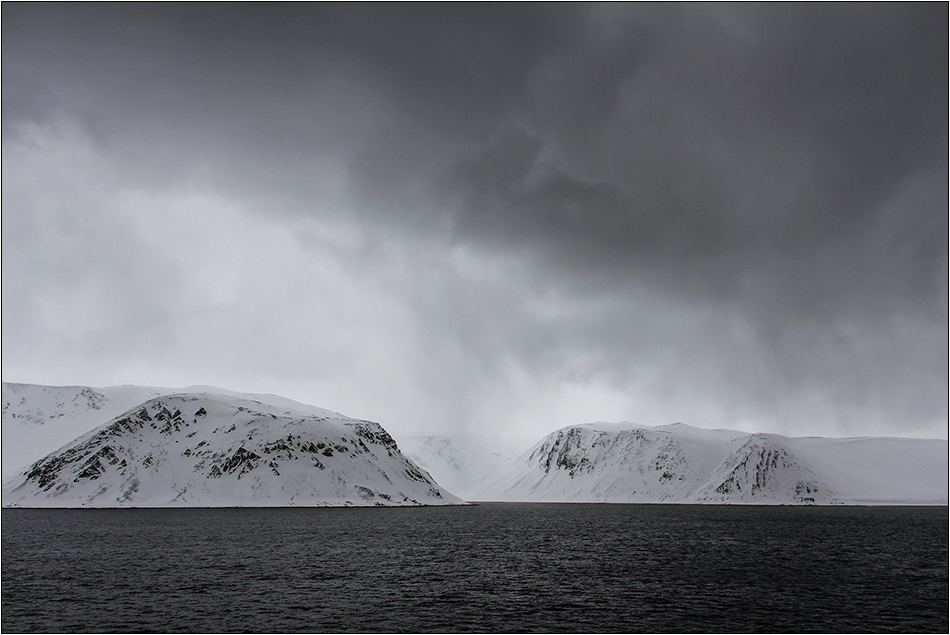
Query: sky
x,y
487,220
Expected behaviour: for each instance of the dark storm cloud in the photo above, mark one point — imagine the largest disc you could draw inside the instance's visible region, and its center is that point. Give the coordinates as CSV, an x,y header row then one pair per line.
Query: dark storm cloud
x,y
651,124
692,144
779,171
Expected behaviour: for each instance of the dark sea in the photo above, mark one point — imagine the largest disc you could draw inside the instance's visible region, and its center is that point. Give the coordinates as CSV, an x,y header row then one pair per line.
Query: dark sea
x,y
501,567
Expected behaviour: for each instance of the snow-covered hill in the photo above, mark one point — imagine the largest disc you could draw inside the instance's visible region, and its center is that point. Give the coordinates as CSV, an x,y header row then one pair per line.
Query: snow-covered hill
x,y
679,463
222,449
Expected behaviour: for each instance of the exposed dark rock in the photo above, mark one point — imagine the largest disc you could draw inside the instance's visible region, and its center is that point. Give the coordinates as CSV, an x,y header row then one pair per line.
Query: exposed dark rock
x,y
413,472
365,492
94,400
374,433
171,421
242,461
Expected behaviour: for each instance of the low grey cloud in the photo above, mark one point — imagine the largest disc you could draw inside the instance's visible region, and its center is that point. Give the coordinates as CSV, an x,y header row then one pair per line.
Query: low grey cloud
x,y
731,215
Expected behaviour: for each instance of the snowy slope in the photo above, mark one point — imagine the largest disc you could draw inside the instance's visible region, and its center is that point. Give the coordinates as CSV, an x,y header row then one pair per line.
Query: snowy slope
x,y
874,470
461,463
39,419
679,463
221,449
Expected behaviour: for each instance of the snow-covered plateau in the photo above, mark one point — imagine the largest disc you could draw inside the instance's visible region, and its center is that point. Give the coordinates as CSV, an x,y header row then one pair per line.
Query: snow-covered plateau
x,y
139,446
204,448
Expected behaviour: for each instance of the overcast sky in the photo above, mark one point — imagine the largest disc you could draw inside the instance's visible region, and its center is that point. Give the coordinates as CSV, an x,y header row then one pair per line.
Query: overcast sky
x,y
497,220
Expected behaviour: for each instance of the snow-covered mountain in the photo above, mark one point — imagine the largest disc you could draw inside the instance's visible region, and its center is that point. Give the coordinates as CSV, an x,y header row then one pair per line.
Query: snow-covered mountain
x,y
221,449
152,445
679,463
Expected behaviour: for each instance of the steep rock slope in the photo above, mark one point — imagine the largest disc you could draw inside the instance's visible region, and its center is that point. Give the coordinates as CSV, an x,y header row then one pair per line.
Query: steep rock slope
x,y
213,449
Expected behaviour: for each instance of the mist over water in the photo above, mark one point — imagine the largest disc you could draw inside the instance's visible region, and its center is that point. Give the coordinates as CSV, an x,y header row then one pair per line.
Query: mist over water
x,y
490,567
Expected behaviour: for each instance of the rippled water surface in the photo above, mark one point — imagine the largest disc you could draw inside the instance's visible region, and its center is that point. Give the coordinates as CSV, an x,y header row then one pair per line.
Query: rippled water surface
x,y
490,567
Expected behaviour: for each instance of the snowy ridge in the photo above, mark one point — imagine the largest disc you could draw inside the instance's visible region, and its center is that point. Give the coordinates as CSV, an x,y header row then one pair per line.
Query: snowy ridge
x,y
679,463
214,449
